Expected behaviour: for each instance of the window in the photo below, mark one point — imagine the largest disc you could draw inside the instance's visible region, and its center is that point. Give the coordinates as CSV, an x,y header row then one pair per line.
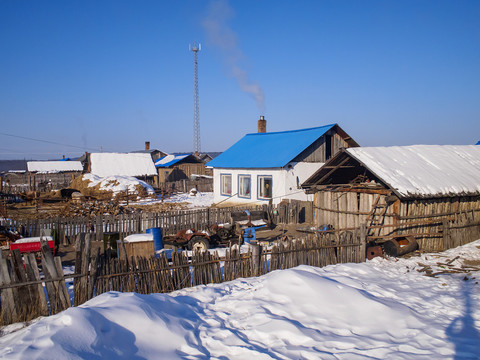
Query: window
x,y
244,185
264,187
226,184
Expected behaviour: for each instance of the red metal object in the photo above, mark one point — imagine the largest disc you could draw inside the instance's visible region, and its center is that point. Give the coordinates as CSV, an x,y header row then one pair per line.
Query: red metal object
x,y
31,247
374,251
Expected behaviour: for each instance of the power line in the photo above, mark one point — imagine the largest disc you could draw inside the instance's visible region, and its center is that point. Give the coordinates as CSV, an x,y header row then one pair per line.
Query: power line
x,y
49,142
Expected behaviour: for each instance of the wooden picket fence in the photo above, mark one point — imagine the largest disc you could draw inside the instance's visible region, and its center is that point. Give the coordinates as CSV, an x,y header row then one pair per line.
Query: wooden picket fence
x,y
22,297
66,229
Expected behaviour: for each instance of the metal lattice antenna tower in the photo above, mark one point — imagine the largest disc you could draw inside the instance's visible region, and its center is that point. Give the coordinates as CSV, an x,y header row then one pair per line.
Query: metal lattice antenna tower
x,y
196,114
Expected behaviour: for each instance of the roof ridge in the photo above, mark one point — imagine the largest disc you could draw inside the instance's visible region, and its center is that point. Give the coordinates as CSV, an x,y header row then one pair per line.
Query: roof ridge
x,y
292,131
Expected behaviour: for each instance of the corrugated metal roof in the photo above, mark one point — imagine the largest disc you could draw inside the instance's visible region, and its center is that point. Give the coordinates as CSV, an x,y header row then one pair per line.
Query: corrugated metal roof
x,y
169,160
424,170
268,150
54,166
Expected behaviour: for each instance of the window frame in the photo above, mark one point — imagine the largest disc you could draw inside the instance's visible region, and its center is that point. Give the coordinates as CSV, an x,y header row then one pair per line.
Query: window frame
x,y
259,197
222,177
239,186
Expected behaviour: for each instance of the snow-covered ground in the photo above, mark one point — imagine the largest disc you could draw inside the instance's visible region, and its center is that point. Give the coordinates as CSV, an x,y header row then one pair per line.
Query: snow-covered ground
x,y
197,201
381,309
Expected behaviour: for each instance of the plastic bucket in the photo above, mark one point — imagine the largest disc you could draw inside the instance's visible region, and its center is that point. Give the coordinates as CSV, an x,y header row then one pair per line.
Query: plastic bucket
x,y
157,238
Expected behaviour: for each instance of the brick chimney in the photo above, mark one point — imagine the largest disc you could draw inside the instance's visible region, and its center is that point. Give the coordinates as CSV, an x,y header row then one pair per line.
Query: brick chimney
x,y
262,125
147,145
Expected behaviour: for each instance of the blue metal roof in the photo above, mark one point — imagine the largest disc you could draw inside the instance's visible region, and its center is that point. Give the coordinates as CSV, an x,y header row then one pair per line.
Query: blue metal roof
x,y
169,160
268,150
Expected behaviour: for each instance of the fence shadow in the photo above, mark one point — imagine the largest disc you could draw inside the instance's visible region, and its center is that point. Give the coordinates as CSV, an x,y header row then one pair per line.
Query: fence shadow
x,y
462,331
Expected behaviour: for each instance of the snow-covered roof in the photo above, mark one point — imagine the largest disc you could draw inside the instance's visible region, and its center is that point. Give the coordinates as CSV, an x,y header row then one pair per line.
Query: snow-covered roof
x,y
169,160
133,164
137,238
54,166
424,170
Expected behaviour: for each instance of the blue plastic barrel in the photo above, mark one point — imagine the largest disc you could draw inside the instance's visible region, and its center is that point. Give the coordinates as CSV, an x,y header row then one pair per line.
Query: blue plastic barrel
x,y
249,235
157,238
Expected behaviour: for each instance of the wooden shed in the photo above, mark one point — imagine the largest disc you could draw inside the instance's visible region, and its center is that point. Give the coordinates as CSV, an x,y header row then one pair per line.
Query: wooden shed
x,y
136,245
180,167
429,191
50,175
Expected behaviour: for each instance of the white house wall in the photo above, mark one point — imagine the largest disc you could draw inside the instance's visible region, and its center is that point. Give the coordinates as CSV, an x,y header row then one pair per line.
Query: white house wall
x,y
284,183
302,171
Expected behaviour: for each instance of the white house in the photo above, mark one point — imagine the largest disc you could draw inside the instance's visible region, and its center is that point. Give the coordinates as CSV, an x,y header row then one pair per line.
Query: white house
x,y
272,166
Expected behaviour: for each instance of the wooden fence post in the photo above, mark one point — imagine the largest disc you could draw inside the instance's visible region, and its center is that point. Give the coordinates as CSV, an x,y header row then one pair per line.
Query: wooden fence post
x,y
57,296
32,268
9,313
446,235
256,257
363,242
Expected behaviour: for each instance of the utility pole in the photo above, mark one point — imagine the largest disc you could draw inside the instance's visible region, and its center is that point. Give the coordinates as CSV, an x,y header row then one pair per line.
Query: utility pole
x,y
196,115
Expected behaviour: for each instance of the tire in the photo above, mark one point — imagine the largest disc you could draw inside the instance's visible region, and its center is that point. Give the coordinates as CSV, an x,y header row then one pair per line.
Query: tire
x,y
223,234
198,243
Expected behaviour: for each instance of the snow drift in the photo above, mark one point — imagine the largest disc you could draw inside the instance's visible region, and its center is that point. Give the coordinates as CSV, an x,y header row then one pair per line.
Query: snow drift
x,y
382,309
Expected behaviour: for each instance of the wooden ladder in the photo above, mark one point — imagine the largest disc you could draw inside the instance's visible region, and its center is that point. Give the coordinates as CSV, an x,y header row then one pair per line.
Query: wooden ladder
x,y
376,216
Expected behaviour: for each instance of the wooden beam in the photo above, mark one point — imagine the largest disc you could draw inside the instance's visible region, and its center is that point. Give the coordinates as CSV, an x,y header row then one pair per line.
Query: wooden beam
x,y
339,167
332,170
352,188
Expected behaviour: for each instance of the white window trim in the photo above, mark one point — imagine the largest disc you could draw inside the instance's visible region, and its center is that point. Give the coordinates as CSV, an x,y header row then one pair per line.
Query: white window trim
x,y
259,197
240,176
222,177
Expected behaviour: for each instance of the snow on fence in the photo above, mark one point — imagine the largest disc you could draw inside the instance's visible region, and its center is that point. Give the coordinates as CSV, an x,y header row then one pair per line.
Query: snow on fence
x,y
22,297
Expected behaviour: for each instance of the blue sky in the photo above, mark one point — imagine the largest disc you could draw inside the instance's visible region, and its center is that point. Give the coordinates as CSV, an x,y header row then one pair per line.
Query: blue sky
x,y
110,75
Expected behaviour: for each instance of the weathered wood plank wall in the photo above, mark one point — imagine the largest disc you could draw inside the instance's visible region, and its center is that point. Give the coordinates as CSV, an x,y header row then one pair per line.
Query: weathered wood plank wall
x,y
423,217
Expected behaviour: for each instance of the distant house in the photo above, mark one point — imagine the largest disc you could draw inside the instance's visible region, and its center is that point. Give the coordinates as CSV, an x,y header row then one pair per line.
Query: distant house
x,y
206,157
263,167
13,166
391,186
139,165
179,167
13,175
48,175
154,153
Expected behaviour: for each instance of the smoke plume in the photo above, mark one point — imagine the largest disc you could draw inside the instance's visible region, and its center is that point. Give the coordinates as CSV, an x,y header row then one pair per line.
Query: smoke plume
x,y
224,38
